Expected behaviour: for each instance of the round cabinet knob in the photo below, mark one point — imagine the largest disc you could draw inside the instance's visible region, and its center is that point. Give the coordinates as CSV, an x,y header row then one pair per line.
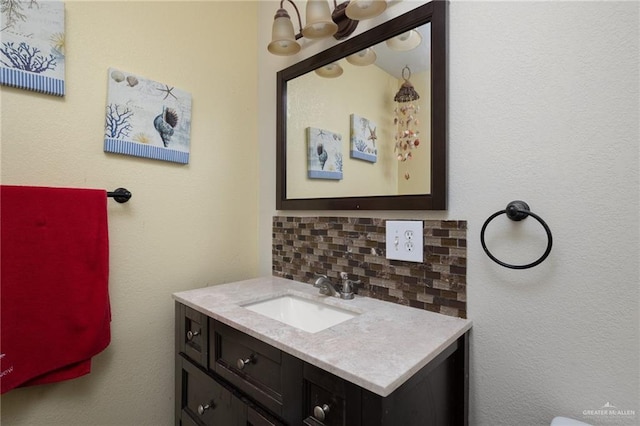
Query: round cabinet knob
x,y
320,413
192,334
203,408
241,363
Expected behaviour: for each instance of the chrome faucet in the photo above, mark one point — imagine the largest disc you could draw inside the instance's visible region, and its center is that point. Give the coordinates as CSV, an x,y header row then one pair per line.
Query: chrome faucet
x,y
329,289
326,286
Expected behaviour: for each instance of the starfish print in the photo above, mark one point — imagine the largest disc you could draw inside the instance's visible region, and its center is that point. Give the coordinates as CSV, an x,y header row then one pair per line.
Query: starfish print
x,y
321,133
372,135
168,92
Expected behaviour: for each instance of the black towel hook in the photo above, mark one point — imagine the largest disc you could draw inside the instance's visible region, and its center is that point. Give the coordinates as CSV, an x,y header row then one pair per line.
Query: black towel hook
x,y
517,210
121,195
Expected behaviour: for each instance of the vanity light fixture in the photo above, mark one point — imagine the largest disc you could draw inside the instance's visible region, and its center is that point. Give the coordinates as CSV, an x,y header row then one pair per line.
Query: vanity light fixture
x,y
405,41
321,22
364,57
283,39
331,70
365,9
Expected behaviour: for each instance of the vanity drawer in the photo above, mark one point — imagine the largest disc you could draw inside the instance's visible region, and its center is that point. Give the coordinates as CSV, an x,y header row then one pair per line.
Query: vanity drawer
x,y
329,400
256,417
192,334
205,401
269,376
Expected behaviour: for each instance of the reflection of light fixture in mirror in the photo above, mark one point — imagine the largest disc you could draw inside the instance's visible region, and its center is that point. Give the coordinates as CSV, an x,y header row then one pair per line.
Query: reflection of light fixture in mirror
x,y
406,119
321,23
331,70
363,57
365,9
405,41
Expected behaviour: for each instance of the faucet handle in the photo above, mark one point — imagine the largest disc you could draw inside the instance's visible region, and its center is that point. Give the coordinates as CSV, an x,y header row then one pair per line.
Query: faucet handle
x,y
346,281
347,286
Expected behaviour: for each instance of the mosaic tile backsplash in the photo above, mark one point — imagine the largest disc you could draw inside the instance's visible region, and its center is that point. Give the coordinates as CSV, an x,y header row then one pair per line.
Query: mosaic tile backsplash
x,y
304,246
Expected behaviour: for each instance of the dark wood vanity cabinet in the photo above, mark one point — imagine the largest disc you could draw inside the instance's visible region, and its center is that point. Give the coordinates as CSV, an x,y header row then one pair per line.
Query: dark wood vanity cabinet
x,y
202,397
226,377
437,395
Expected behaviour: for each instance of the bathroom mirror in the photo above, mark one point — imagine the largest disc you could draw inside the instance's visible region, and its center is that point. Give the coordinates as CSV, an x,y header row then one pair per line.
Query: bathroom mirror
x,y
348,142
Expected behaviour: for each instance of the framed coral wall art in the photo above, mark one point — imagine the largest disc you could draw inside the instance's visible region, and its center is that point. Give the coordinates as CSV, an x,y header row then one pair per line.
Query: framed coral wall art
x,y
363,139
32,45
324,154
145,118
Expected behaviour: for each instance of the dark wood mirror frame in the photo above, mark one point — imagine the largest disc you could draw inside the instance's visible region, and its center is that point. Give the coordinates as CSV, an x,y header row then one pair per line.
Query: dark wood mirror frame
x,y
434,12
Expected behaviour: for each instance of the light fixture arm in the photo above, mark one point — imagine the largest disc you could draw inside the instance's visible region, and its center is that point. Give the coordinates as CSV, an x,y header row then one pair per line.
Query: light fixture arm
x,y
299,34
346,25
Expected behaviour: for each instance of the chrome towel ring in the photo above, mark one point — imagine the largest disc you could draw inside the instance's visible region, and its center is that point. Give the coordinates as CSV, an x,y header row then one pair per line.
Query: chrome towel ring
x,y
517,210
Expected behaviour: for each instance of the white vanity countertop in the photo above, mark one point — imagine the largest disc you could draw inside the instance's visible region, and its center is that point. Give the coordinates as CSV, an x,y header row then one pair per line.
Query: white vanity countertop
x,y
378,350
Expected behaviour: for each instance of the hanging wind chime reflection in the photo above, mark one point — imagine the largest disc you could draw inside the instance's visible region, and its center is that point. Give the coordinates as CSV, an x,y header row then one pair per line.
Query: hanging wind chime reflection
x,y
405,120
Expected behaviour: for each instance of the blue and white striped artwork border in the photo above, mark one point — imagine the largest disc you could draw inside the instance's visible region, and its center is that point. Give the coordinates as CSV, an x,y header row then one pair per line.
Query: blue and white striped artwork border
x,y
322,174
363,156
119,146
30,81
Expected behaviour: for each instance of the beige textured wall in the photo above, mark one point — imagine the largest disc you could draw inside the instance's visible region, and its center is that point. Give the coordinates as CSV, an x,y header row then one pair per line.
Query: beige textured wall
x,y
185,227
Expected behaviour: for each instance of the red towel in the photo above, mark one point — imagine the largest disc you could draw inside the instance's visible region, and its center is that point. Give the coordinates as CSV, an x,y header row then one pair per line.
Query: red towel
x,y
54,268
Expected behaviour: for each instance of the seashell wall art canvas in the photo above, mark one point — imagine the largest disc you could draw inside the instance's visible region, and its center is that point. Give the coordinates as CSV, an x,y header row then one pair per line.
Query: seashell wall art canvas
x,y
32,45
324,154
145,118
363,139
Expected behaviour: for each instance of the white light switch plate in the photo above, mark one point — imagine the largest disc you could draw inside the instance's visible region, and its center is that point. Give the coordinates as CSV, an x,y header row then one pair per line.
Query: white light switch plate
x,y
405,240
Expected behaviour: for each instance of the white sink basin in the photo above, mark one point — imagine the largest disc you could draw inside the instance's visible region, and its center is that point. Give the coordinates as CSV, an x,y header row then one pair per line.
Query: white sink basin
x,y
305,314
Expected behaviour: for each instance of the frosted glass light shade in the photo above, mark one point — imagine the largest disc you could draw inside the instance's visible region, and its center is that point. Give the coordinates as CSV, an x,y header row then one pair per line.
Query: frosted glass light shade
x,y
363,57
405,41
331,70
319,23
365,9
283,39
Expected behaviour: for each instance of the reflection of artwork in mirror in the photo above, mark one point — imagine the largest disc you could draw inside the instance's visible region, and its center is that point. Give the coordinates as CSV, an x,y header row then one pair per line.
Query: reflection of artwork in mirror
x,y
324,154
372,88
363,139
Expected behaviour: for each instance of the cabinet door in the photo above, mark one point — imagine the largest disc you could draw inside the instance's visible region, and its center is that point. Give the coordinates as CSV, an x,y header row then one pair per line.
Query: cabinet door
x,y
206,402
192,334
329,400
